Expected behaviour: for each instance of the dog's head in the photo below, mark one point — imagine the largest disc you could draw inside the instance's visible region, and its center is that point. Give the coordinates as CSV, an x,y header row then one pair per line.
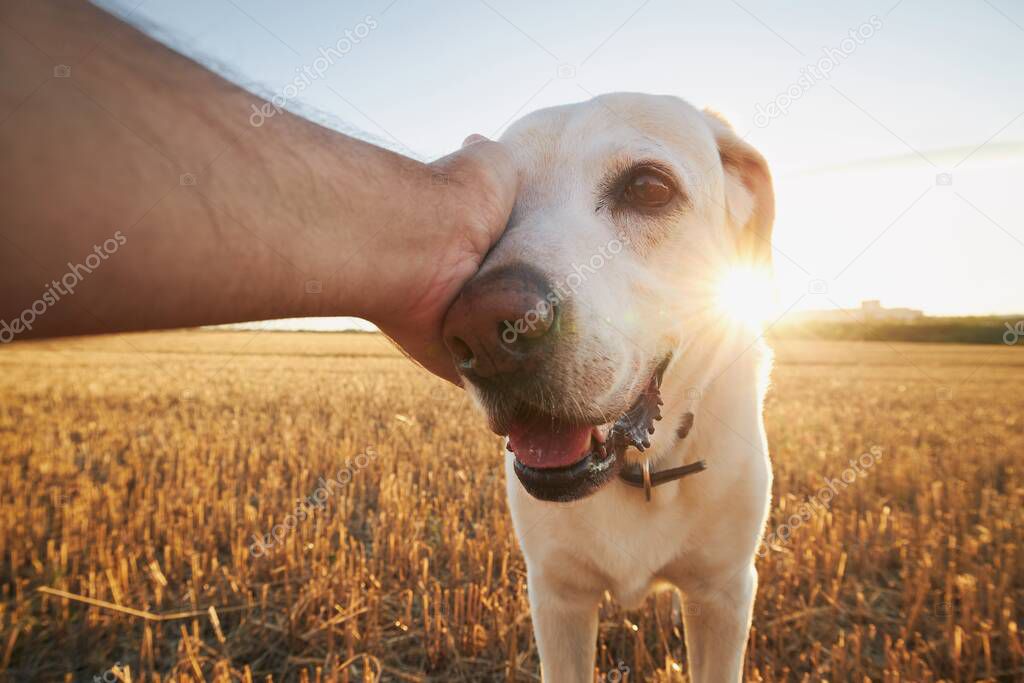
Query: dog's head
x,y
632,209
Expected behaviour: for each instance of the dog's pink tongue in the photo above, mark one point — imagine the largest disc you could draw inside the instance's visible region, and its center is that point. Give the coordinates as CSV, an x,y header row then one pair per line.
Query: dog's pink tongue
x,y
544,443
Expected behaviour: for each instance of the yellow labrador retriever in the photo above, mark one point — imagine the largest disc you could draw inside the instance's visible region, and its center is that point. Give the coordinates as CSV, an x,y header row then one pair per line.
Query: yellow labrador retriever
x,y
637,458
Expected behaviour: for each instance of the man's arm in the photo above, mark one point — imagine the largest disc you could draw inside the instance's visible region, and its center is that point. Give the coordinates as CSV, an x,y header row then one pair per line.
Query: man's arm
x,y
138,195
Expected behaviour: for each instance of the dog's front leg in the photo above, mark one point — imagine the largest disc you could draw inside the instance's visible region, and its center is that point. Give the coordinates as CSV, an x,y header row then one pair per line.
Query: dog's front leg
x,y
566,631
717,625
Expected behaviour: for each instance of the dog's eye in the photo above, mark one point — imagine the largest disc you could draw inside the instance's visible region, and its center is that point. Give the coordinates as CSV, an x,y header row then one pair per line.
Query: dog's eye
x,y
648,188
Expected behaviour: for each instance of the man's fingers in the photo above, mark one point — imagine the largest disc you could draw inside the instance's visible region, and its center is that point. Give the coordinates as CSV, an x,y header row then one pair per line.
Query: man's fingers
x,y
473,138
493,166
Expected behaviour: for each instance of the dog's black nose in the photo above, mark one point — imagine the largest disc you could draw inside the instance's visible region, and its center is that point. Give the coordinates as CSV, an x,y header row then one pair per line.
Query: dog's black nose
x,y
501,324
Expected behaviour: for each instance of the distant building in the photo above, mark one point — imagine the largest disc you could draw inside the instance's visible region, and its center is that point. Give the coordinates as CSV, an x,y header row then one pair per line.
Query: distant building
x,y
870,311
873,310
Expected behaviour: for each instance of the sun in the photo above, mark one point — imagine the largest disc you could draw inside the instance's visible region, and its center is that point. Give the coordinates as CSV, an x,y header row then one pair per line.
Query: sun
x,y
746,295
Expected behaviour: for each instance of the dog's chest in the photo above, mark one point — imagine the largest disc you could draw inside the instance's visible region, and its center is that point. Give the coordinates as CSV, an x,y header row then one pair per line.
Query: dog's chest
x,y
639,546
614,539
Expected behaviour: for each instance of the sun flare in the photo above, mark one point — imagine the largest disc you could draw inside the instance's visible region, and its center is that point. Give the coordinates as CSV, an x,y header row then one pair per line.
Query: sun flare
x,y
746,295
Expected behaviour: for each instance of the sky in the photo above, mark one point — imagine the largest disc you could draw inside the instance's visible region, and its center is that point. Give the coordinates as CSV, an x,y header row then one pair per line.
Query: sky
x,y
895,129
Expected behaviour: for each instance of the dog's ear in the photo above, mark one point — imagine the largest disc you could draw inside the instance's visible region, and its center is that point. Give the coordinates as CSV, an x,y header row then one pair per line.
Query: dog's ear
x,y
750,199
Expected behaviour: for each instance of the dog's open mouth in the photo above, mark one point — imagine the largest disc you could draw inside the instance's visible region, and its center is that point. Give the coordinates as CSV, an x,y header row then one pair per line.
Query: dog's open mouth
x,y
557,460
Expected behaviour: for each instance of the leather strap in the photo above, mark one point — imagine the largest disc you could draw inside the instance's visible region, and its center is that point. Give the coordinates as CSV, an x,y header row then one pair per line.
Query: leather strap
x,y
640,476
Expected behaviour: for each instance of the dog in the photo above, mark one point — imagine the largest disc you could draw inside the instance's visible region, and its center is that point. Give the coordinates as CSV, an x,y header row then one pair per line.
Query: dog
x,y
636,453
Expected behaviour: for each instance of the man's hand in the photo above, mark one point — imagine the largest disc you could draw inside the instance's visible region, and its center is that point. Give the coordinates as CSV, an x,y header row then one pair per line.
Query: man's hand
x,y
443,248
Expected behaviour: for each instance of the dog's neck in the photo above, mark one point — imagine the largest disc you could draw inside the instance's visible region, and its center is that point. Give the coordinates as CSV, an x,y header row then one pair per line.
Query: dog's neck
x,y
724,395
